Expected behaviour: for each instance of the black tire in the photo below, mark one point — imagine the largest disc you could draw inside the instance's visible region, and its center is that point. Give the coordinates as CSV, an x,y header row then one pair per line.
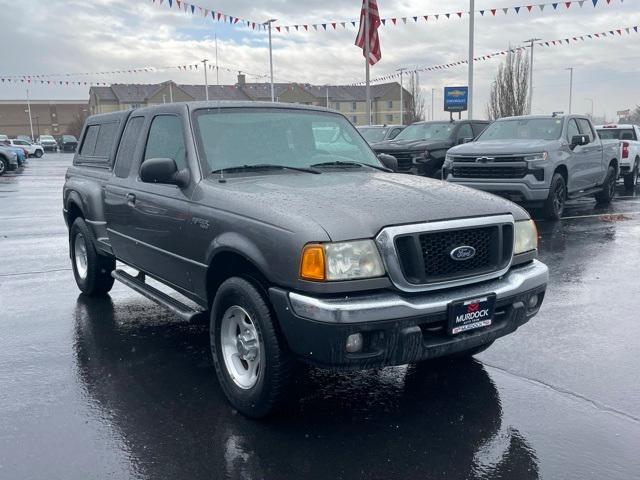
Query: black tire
x,y
554,204
631,179
608,187
3,166
38,154
94,278
276,365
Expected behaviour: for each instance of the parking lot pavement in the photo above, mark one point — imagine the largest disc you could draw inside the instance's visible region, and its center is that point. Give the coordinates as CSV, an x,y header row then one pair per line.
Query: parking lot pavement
x,y
117,388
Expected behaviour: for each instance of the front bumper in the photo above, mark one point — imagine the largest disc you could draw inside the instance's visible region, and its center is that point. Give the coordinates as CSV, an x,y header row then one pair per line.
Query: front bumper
x,y
519,192
400,329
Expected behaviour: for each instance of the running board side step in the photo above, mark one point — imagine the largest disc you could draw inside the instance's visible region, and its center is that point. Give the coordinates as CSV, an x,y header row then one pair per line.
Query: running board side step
x,y
185,312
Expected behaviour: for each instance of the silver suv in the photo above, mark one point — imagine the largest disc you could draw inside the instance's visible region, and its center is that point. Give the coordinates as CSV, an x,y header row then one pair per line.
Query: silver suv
x,y
538,161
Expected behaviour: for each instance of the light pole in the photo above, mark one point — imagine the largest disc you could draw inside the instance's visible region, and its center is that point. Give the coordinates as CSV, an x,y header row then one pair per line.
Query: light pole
x,y
472,14
570,87
268,23
433,94
531,41
29,110
206,83
590,100
217,69
401,70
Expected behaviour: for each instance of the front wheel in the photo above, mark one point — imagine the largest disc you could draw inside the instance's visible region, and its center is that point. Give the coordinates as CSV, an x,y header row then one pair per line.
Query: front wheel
x,y
3,166
38,153
91,270
608,188
631,179
252,364
554,204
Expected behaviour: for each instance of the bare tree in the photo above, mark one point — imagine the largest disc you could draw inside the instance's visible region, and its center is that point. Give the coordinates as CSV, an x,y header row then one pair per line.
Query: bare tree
x,y
75,126
414,102
509,92
633,117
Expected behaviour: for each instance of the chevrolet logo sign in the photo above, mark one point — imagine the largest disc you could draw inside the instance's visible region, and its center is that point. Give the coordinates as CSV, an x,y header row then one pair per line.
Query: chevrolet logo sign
x,y
484,159
457,93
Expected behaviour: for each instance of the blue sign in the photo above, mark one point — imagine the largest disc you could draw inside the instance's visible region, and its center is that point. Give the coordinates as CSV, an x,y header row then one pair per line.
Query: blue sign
x,y
455,99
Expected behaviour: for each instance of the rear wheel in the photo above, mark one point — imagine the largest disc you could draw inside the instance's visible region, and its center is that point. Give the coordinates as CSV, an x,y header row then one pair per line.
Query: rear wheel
x,y
608,188
631,179
3,166
554,204
38,153
91,270
252,364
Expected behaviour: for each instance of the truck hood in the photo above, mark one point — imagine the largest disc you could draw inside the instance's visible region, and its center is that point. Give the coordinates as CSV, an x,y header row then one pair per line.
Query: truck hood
x,y
418,145
352,205
504,147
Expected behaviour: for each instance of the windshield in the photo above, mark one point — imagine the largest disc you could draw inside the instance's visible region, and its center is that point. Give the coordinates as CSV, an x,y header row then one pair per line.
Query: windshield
x,y
616,134
427,131
46,137
374,134
523,129
235,137
69,138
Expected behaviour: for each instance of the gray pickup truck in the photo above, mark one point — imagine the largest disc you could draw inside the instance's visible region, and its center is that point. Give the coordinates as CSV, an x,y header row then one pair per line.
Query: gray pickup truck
x,y
538,161
278,226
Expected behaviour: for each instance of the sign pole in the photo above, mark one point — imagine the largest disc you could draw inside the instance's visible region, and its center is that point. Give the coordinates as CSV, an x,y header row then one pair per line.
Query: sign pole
x,y
471,40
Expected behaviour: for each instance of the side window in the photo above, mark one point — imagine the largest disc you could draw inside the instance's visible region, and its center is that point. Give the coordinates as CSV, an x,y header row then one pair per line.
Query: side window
x,y
106,139
166,140
478,128
89,141
394,133
464,131
585,128
572,130
127,147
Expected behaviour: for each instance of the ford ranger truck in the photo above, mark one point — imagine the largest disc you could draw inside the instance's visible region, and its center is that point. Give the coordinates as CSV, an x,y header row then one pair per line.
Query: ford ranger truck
x,y
537,161
278,226
628,138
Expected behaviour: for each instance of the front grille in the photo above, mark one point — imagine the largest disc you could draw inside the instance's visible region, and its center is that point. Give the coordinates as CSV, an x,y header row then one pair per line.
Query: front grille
x,y
405,159
488,159
489,172
426,257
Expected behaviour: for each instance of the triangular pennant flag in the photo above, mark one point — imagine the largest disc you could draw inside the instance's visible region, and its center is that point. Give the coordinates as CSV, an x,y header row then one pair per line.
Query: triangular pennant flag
x,y
278,28
287,29
384,21
296,27
448,15
353,24
177,4
567,4
394,20
529,7
404,20
324,25
482,13
635,29
170,3
415,19
541,6
344,24
306,28
493,12
517,9
581,3
595,2
555,6
459,14
193,9
333,24
437,15
505,10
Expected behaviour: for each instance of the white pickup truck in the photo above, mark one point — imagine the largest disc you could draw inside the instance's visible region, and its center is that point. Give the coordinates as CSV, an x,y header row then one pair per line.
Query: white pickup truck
x,y
629,138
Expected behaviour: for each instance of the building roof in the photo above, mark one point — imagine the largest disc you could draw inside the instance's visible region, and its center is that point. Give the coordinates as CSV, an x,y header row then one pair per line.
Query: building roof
x,y
140,93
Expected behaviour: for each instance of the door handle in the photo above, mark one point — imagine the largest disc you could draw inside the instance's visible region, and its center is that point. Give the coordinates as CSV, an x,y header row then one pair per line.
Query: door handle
x,y
131,199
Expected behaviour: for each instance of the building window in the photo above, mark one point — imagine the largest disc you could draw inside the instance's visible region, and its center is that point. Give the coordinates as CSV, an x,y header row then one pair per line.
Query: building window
x,y
354,106
354,119
390,104
388,118
336,105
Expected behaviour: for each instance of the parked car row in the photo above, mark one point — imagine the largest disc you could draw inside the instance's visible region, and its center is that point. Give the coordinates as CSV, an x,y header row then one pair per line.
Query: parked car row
x,y
45,143
537,161
11,158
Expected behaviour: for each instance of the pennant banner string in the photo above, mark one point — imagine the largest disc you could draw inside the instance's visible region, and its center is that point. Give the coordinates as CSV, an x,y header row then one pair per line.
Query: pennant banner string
x,y
618,32
332,25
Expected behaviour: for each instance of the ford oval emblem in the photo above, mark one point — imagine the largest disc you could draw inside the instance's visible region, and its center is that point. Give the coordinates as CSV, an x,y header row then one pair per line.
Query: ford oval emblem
x,y
465,252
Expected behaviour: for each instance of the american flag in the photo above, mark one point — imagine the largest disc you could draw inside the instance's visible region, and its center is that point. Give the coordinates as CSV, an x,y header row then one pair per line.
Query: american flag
x,y
375,53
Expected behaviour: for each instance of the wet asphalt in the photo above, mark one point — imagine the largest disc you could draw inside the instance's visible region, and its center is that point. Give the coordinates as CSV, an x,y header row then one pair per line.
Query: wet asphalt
x,y
119,388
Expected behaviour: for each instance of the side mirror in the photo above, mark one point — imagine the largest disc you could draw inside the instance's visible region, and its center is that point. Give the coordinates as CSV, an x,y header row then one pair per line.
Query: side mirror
x,y
388,161
163,170
465,140
579,140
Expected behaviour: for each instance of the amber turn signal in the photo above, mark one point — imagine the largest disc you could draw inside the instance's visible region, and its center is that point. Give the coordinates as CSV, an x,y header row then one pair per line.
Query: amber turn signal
x,y
312,263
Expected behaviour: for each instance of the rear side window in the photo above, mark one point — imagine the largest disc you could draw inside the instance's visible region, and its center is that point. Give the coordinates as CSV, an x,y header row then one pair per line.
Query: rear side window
x,y
98,142
89,142
124,159
166,140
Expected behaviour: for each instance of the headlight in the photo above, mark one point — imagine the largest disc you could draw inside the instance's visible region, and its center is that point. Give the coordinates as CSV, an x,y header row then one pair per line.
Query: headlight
x,y
536,157
526,237
341,261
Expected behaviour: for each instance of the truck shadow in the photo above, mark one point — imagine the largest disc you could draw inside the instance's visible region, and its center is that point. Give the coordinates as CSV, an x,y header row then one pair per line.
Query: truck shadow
x,y
151,382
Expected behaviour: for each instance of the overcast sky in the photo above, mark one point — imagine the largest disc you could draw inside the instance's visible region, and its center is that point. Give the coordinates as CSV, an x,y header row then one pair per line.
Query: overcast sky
x,y
73,36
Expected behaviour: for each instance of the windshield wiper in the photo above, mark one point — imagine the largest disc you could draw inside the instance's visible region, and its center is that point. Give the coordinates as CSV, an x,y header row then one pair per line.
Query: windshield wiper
x,y
338,163
265,166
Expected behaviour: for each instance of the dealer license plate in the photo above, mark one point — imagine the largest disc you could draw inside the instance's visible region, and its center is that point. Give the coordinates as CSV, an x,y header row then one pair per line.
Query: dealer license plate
x,y
471,314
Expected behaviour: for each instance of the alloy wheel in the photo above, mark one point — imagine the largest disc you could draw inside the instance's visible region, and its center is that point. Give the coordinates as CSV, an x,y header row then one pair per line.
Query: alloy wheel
x,y
80,256
241,349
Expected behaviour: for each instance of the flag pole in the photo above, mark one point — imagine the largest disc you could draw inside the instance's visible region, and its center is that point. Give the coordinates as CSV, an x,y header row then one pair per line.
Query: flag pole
x,y
366,61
